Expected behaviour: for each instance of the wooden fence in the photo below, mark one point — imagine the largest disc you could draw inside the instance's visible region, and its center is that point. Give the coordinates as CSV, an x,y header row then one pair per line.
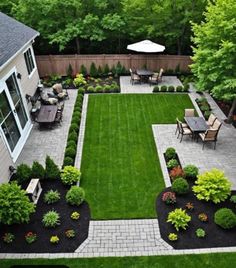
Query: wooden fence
x,y
58,64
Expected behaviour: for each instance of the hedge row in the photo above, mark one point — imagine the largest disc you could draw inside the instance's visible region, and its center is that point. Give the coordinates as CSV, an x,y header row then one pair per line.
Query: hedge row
x,y
164,88
71,146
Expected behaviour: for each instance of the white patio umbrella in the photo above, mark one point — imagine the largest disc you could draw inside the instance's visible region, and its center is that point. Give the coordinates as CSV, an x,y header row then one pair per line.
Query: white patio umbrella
x,y
146,46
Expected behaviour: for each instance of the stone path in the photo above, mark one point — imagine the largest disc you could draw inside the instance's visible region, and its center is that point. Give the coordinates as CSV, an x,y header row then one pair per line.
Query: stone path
x,y
50,142
127,87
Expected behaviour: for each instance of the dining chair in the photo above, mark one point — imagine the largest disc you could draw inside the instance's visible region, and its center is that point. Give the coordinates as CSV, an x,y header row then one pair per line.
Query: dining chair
x,y
183,131
209,136
216,125
211,120
177,125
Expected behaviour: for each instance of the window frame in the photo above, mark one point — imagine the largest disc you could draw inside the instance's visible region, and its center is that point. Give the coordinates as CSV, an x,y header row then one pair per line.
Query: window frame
x,y
29,61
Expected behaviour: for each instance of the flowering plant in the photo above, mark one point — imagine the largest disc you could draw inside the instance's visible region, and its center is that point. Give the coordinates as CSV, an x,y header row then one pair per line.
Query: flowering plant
x,y
176,172
70,233
54,239
8,238
203,217
30,237
75,215
169,198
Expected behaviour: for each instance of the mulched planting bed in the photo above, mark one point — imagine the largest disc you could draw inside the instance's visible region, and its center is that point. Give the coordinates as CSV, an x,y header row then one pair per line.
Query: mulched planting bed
x,y
42,244
187,239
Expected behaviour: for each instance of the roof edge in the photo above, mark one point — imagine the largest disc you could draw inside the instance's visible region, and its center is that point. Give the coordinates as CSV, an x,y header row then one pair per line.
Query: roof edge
x,y
18,52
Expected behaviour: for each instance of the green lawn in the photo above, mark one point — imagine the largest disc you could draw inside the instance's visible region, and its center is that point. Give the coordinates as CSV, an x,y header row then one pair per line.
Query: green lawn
x,y
224,260
120,169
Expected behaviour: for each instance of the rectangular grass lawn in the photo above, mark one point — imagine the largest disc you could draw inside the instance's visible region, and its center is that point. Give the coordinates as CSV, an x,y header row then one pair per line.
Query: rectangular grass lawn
x,y
121,173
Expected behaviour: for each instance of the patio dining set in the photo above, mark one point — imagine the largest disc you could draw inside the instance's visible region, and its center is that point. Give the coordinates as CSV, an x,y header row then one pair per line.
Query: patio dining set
x,y
47,106
145,76
197,127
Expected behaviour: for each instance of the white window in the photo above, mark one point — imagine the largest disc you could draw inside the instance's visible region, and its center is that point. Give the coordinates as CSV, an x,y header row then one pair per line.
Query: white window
x,y
29,60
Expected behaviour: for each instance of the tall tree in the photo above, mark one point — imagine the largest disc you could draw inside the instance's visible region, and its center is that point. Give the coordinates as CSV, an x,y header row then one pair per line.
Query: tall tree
x,y
215,51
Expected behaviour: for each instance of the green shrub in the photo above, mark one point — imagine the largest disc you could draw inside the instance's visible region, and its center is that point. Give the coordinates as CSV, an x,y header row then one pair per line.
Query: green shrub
x,y
70,175
114,87
179,218
171,89
180,186
98,88
90,89
51,196
93,70
51,219
100,71
15,206
172,163
73,136
37,170
107,88
179,89
76,114
163,88
225,218
106,69
75,120
75,196
51,171
79,80
23,173
81,90
186,87
233,199
156,89
71,152
71,143
207,114
173,237
191,172
68,161
74,127
170,153
69,71
83,70
212,186
200,233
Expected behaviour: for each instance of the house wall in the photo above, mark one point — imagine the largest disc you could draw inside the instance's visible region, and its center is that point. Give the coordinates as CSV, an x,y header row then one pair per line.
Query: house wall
x,y
28,85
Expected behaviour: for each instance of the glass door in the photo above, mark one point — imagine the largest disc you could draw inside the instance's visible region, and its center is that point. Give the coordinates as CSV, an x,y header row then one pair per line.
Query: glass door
x,y
14,120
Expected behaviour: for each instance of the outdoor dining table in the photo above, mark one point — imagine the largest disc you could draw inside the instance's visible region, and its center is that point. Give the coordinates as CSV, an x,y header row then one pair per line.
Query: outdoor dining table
x,y
144,74
196,124
47,115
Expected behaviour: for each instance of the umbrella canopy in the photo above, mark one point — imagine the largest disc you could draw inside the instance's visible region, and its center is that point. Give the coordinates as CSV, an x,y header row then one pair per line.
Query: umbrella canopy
x,y
146,46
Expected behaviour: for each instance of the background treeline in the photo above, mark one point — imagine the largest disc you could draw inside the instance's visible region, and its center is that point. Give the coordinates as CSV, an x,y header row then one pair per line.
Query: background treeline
x,y
107,26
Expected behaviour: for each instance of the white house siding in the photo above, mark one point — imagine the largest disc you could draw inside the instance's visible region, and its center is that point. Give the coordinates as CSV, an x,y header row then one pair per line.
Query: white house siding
x,y
28,85
5,162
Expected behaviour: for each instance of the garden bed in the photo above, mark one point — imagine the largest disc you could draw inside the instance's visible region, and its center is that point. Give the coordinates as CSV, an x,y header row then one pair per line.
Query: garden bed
x,y
42,244
187,239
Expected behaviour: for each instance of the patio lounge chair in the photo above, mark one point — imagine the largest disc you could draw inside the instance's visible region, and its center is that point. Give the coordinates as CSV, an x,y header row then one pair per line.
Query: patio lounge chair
x,y
183,131
209,136
189,112
134,77
59,91
211,120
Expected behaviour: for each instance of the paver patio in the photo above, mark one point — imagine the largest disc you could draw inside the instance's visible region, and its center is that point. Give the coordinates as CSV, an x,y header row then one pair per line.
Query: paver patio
x,y
127,87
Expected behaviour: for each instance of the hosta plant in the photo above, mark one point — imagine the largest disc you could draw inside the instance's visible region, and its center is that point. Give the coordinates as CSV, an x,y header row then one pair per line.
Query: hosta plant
x,y
212,186
179,218
173,237
200,233
169,198
75,215
54,239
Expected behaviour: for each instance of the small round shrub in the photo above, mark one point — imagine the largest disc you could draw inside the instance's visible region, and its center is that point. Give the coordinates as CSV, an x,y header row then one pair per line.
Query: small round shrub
x,y
76,114
78,107
73,136
156,89
180,186
200,233
68,161
51,197
51,219
107,88
186,87
163,88
70,175
75,120
23,173
225,218
75,196
98,88
81,90
71,143
71,152
37,170
173,237
170,153
233,199
90,89
191,171
179,89
172,163
74,127
171,89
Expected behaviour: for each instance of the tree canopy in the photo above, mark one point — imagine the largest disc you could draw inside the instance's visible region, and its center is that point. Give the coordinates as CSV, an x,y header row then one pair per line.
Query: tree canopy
x,y
215,50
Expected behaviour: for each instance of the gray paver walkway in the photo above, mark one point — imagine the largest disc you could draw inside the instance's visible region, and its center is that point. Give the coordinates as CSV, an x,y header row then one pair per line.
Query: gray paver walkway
x,y
50,142
127,87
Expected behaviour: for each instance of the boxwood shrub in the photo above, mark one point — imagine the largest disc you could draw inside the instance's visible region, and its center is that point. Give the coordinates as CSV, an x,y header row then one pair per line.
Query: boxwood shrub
x,y
225,218
180,186
75,196
73,136
156,89
98,88
74,127
179,89
171,89
163,88
68,161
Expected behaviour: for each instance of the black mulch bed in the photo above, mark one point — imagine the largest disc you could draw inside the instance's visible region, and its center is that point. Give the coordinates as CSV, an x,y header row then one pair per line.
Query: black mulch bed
x,y
42,244
187,239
